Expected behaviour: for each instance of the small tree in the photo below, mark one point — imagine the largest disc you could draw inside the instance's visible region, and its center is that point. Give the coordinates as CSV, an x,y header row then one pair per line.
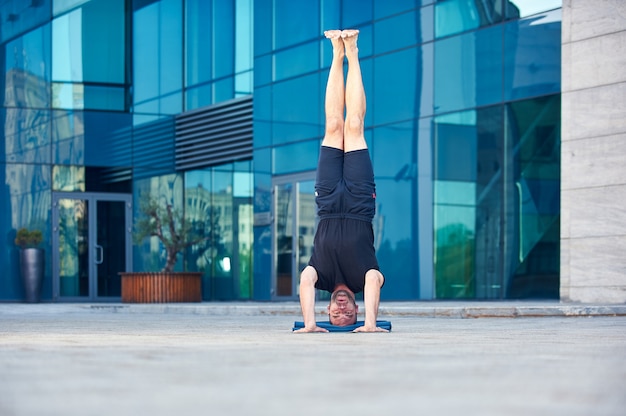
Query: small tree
x,y
168,225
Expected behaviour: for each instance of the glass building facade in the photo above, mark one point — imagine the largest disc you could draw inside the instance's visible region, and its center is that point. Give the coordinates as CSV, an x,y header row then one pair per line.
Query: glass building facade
x,y
216,107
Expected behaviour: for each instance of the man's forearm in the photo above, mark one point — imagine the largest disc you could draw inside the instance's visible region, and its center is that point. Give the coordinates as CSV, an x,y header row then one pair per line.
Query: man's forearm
x,y
307,302
371,297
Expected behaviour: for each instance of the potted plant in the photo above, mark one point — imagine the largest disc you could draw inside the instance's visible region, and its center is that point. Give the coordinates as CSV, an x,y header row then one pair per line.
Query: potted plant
x,y
175,234
32,262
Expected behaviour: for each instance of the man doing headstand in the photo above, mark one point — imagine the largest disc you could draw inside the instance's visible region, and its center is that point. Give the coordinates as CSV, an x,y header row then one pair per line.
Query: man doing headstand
x,y
343,260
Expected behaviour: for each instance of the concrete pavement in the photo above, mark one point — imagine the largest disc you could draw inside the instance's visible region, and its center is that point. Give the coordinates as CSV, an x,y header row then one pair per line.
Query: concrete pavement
x,y
241,358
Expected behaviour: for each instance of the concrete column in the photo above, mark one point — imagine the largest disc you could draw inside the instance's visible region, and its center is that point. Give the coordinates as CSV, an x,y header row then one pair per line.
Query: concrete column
x,y
593,151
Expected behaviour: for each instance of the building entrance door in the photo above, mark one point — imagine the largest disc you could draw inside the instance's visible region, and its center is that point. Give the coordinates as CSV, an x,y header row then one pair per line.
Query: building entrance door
x,y
91,240
295,221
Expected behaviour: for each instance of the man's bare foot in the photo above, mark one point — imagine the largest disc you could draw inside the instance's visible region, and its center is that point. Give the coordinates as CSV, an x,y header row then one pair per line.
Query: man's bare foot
x,y
337,41
350,37
349,33
333,34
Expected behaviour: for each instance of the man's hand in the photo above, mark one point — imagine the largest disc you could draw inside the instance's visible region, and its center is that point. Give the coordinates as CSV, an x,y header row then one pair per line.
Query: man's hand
x,y
311,329
370,329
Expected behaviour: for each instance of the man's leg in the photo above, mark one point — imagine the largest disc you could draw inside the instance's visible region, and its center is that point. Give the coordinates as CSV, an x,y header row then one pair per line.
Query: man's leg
x,y
354,138
335,91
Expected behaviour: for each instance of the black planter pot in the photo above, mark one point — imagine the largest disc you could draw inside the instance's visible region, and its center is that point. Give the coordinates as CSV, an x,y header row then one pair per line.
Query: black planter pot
x,y
32,261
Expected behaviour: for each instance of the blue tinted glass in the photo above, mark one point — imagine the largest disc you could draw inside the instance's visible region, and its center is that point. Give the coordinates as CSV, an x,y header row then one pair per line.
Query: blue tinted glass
x,y
171,104
522,8
263,25
330,18
468,70
171,46
455,147
532,57
396,76
19,16
27,70
103,36
146,71
262,117
223,39
396,32
198,44
224,89
296,21
104,98
244,40
384,8
455,16
244,83
26,135
108,138
296,110
393,226
68,137
157,41
355,13
263,70
393,152
198,97
296,61
298,157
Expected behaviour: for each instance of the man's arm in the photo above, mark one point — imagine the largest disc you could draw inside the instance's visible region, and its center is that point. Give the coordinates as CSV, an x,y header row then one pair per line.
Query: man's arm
x,y
307,300
371,295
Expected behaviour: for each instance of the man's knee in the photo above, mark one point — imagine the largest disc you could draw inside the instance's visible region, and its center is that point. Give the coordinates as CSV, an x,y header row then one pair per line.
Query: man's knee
x,y
334,126
354,126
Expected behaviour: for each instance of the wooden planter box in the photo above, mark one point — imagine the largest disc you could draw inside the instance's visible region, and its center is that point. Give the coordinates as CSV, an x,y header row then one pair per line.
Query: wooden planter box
x,y
145,287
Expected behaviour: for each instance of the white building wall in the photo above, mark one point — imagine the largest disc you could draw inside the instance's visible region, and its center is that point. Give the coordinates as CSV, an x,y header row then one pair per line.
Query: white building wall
x,y
593,151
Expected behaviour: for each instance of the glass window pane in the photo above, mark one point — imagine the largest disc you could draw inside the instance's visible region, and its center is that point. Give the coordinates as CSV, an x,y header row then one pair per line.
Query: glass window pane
x,y
296,110
532,57
456,16
397,32
470,204
244,42
20,16
296,61
522,8
157,51
108,138
298,157
27,70
533,126
393,153
198,44
223,39
68,137
383,8
60,6
198,97
295,22
88,43
103,33
356,12
262,118
393,87
26,135
394,242
468,70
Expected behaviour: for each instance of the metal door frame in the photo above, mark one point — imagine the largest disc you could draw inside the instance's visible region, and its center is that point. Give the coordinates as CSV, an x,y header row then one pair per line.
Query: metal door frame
x,y
92,199
294,179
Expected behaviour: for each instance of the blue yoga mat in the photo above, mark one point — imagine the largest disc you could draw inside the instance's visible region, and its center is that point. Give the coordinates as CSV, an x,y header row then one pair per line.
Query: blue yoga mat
x,y
349,328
